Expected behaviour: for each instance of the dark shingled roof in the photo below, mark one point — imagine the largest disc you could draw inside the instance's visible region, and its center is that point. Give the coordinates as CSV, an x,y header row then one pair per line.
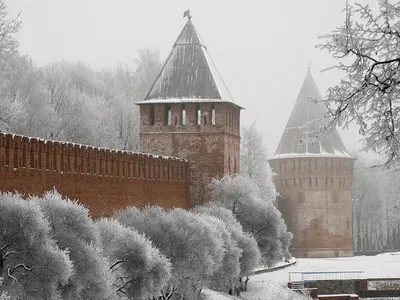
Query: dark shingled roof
x,y
188,74
308,116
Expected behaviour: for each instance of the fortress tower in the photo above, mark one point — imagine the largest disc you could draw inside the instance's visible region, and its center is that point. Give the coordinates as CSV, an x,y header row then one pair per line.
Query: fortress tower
x,y
189,113
314,181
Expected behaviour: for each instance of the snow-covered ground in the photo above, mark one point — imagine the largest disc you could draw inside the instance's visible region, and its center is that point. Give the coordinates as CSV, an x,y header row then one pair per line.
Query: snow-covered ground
x,y
380,266
258,291
272,285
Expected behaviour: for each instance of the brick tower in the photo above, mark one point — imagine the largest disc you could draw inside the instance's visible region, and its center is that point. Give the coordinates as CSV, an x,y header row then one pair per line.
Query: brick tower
x,y
189,113
314,181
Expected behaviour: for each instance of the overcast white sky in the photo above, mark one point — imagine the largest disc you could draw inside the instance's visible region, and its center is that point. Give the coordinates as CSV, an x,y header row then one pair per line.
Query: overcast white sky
x,y
261,48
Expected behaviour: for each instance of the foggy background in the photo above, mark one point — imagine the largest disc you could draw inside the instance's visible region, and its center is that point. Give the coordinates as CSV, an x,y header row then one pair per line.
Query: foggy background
x,y
261,48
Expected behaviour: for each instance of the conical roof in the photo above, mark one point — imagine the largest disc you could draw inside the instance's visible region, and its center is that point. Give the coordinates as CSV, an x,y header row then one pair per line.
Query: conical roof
x,y
188,74
308,117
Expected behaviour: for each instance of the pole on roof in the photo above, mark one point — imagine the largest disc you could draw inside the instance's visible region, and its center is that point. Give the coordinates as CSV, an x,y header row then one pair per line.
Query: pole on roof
x,y
187,14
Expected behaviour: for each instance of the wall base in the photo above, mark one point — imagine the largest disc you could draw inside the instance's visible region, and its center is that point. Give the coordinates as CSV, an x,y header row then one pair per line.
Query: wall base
x,y
321,253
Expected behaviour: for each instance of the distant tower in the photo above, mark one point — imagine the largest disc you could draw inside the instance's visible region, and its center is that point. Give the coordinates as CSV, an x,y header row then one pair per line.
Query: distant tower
x,y
189,113
314,181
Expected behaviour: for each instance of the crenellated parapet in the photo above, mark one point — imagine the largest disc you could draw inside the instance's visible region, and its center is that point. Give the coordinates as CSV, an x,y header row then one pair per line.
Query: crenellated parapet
x,y
20,152
104,180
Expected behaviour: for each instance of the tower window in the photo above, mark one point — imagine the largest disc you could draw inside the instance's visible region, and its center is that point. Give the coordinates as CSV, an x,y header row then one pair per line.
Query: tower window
x,y
205,119
316,181
167,114
198,112
309,181
151,114
169,117
183,115
213,114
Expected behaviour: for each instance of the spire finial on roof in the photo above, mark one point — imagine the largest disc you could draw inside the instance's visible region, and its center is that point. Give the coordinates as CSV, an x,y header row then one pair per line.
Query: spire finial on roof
x,y
309,65
187,14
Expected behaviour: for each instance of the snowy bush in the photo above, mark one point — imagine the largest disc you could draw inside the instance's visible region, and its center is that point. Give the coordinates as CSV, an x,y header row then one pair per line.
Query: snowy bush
x,y
250,254
3,295
31,264
193,244
258,216
140,271
74,231
227,276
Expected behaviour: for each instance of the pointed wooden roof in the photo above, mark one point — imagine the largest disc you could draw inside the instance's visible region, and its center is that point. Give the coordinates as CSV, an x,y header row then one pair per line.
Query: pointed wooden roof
x,y
308,117
188,74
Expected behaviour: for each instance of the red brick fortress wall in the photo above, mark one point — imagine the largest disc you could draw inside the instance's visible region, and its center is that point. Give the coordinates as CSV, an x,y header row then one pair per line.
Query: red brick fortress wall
x,y
104,180
315,201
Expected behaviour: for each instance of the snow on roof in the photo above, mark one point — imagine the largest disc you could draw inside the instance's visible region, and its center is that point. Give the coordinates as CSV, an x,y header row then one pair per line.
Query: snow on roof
x,y
189,74
185,100
308,117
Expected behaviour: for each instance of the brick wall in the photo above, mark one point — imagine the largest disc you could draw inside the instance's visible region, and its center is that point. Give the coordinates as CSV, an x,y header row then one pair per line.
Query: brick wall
x,y
104,180
316,204
211,147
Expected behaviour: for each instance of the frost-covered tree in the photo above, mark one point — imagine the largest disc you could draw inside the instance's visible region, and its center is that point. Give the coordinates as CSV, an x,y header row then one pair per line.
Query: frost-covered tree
x,y
8,27
71,94
146,68
250,254
227,276
9,110
367,49
376,218
119,92
139,269
258,216
3,295
254,160
31,264
193,245
76,233
233,191
72,102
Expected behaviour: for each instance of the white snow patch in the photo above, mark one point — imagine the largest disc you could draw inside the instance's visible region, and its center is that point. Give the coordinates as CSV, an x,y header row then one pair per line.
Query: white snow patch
x,y
379,266
308,154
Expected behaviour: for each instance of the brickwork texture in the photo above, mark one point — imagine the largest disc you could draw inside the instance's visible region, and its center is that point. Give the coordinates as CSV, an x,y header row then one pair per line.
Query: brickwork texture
x,y
315,201
210,141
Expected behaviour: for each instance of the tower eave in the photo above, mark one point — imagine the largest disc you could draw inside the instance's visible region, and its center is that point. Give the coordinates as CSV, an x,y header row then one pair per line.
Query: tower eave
x,y
186,100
